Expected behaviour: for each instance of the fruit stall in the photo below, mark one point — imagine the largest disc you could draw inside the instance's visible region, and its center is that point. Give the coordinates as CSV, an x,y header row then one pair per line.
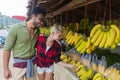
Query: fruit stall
x,y
91,39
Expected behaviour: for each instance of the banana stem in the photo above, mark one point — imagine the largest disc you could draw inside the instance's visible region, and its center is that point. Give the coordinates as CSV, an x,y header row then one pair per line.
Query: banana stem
x,y
110,10
105,11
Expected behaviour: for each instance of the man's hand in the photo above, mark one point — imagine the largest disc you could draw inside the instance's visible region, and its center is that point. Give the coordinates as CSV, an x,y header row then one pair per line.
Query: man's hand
x,y
7,74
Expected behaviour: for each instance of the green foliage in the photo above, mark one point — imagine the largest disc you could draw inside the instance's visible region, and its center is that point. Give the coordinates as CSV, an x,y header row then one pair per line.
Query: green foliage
x,y
110,57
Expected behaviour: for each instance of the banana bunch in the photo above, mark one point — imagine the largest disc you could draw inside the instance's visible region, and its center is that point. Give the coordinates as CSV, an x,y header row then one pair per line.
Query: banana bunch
x,y
84,73
113,73
65,58
72,38
105,36
44,31
74,27
84,45
99,76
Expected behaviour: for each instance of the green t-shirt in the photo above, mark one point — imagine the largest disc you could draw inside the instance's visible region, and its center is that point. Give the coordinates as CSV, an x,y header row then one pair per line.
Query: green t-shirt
x,y
19,41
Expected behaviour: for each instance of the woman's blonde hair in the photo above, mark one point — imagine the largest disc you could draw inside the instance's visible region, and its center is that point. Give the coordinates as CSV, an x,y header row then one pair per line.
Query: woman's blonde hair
x,y
56,28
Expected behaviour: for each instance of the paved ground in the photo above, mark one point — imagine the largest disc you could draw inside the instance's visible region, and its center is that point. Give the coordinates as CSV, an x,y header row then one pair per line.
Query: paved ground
x,y
3,32
1,64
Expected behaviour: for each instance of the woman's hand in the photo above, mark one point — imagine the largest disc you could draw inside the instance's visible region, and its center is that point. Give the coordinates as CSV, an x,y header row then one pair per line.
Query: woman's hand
x,y
72,66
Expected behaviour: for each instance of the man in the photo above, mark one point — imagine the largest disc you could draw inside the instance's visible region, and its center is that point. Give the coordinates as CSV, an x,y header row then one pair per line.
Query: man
x,y
21,40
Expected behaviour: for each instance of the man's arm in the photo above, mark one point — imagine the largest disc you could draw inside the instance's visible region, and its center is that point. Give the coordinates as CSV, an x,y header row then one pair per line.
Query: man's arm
x,y
9,44
6,58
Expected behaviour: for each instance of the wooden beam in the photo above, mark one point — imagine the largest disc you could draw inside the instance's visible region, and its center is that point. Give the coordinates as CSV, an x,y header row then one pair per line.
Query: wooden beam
x,y
72,5
57,3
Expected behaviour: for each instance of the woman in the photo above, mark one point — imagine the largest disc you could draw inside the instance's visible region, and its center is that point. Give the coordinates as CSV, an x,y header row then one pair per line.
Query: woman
x,y
48,53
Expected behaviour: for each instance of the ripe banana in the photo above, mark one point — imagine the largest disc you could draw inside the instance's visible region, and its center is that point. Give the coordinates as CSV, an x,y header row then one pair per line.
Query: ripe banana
x,y
117,33
107,40
88,43
96,35
78,38
95,28
102,43
112,37
97,76
97,42
68,34
79,43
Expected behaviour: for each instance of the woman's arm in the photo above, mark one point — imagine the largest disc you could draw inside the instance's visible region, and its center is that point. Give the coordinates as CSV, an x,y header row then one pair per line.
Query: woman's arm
x,y
67,65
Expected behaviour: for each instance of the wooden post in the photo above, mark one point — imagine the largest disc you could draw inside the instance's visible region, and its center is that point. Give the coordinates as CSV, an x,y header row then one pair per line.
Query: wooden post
x,y
61,18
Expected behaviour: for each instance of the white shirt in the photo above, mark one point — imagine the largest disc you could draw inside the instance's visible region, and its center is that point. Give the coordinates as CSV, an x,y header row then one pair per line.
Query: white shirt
x,y
47,48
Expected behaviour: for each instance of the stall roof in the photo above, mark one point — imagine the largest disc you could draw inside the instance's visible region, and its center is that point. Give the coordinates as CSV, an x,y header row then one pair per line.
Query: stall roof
x,y
55,7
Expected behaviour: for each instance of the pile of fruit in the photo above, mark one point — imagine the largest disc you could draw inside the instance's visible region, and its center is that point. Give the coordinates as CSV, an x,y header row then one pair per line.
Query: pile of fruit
x,y
87,70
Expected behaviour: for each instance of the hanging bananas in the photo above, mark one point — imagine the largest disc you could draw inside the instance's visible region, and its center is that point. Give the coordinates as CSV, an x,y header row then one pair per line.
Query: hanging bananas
x,y
105,36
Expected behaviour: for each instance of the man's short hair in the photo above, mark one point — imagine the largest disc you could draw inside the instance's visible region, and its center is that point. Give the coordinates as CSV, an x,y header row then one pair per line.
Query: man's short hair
x,y
38,10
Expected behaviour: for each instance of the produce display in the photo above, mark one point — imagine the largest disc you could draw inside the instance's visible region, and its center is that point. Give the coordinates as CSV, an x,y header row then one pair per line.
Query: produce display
x,y
91,66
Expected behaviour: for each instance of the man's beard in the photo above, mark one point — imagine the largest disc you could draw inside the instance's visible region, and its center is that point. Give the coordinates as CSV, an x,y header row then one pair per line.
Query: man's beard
x,y
36,24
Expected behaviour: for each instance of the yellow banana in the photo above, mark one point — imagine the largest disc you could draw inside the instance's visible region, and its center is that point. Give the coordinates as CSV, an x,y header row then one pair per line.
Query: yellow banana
x,y
95,28
88,43
100,78
68,34
89,50
93,47
113,45
78,38
107,40
85,46
109,79
81,48
97,34
97,42
81,72
75,37
97,76
70,40
83,78
102,43
79,43
63,56
117,33
112,37
90,73
79,67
